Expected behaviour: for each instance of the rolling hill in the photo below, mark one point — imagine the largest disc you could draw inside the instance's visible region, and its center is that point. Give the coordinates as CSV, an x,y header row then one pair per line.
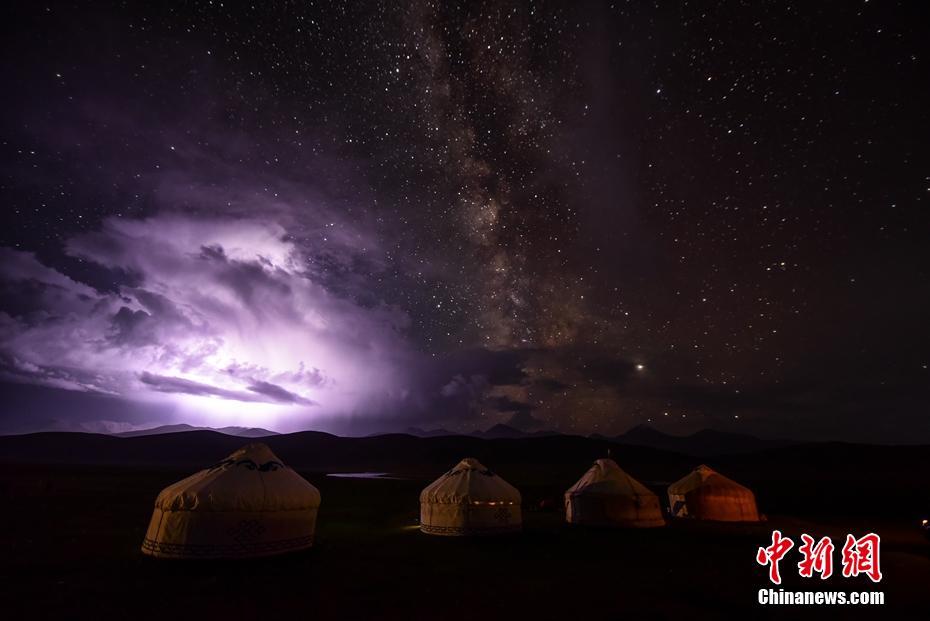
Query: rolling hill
x,y
242,432
706,442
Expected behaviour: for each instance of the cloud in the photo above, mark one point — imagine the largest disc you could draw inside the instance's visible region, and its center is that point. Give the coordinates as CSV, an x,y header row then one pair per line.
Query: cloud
x,y
506,404
224,308
278,394
180,385
17,370
259,391
551,384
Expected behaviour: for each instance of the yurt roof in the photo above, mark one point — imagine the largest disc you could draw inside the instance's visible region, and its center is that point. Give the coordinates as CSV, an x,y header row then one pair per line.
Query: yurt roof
x,y
250,479
705,476
469,481
606,477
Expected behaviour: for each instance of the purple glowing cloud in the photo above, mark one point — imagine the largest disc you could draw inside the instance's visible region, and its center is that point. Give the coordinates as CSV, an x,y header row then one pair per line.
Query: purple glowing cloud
x,y
222,314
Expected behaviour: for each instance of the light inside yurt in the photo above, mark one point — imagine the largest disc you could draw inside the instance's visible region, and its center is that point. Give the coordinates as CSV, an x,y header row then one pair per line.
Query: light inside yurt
x,y
469,499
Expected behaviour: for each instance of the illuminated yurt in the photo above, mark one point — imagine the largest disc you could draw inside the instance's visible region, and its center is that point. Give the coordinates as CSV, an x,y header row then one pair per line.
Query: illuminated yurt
x,y
608,496
708,495
470,500
249,504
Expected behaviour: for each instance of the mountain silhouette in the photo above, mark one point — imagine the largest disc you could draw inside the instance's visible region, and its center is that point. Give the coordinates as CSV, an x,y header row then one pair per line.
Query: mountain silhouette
x,y
242,432
705,442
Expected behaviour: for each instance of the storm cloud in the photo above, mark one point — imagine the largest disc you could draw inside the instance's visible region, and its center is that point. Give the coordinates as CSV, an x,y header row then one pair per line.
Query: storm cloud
x,y
259,391
223,310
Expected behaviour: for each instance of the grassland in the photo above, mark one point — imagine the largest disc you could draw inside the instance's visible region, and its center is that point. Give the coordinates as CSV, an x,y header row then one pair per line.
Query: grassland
x,y
70,545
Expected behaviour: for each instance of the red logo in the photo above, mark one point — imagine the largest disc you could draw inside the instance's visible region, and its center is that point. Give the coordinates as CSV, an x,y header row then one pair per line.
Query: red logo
x,y
817,558
859,556
773,554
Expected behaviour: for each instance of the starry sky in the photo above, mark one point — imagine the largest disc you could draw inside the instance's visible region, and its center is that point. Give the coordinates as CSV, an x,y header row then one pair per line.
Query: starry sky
x,y
362,217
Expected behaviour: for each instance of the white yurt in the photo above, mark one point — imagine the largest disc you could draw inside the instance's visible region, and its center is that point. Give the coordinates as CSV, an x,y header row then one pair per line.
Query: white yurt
x,y
705,494
608,496
470,500
249,504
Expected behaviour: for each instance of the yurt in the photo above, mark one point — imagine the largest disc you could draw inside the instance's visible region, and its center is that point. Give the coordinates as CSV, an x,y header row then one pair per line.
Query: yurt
x,y
608,496
708,495
249,504
470,500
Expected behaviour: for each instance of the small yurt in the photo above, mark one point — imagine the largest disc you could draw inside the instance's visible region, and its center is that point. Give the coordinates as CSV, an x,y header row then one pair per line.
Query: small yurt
x,y
608,496
470,500
708,495
249,504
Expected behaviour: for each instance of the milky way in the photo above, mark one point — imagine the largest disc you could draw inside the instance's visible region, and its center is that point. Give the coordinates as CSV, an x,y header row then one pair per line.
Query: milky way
x,y
562,216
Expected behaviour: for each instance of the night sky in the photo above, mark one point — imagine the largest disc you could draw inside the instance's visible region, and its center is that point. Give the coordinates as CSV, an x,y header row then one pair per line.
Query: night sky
x,y
570,216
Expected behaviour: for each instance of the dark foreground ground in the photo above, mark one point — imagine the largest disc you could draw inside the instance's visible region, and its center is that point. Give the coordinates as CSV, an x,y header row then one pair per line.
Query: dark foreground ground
x,y
70,549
